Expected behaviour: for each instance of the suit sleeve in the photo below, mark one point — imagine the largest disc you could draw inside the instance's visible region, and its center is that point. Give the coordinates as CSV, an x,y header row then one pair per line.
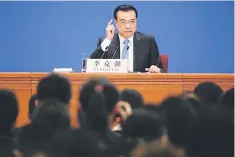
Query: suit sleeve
x,y
98,52
155,56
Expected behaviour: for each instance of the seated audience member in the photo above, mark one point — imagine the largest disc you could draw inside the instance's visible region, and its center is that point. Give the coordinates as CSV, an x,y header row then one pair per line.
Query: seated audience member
x,y
227,99
144,125
49,117
109,91
54,86
133,99
8,115
156,149
179,117
209,93
98,98
212,135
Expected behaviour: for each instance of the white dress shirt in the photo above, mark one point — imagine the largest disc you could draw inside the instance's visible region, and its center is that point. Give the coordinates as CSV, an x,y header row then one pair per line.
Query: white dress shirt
x,y
106,42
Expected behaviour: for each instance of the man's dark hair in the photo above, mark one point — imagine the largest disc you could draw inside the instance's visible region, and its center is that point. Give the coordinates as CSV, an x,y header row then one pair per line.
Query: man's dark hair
x,y
56,87
133,97
125,8
32,104
208,92
8,109
8,115
143,124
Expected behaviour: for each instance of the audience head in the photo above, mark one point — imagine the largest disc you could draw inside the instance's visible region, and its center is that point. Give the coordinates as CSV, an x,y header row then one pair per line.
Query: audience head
x,y
209,93
178,116
103,85
54,86
8,110
133,97
144,124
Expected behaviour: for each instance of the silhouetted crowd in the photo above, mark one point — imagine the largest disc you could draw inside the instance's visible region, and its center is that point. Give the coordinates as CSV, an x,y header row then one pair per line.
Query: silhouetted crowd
x,y
113,123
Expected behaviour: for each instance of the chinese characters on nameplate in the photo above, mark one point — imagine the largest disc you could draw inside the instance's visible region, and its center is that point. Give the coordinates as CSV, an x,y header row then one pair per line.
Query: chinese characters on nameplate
x,y
107,65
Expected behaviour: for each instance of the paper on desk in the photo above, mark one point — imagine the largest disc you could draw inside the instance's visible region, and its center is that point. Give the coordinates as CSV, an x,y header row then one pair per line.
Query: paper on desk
x,y
63,70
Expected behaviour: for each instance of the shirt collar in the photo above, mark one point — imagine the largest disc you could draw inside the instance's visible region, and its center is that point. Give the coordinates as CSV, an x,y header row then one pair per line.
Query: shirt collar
x,y
122,39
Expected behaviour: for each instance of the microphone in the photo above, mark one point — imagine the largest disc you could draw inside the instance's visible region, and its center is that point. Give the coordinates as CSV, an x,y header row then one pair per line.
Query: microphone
x,y
115,52
106,49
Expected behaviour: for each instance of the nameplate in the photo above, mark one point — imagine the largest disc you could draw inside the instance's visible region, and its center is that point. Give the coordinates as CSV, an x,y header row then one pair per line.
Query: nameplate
x,y
107,65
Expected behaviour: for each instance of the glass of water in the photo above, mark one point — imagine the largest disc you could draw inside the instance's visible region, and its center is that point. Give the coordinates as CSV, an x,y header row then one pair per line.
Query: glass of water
x,y
85,56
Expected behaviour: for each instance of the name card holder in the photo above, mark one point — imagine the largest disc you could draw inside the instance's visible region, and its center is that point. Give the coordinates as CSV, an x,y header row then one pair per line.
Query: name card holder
x,y
107,66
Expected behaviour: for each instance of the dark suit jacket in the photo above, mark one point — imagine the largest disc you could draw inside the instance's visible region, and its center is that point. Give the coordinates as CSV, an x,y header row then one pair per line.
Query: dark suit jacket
x,y
145,51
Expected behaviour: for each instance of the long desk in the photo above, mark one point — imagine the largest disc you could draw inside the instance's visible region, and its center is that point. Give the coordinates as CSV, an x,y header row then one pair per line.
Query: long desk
x,y
154,87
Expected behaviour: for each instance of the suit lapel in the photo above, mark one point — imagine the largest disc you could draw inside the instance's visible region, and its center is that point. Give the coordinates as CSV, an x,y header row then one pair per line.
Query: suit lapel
x,y
114,46
137,47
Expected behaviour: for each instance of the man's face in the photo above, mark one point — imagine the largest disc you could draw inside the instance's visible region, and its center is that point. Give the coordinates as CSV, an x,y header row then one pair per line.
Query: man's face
x,y
126,23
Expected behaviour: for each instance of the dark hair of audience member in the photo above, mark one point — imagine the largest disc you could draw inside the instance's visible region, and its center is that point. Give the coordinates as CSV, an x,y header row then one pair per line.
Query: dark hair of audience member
x,y
8,115
212,134
109,91
133,97
227,99
143,124
9,111
209,93
178,116
54,86
32,104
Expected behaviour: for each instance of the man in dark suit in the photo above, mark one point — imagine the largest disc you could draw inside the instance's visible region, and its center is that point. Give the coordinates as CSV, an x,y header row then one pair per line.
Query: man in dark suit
x,y
141,50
